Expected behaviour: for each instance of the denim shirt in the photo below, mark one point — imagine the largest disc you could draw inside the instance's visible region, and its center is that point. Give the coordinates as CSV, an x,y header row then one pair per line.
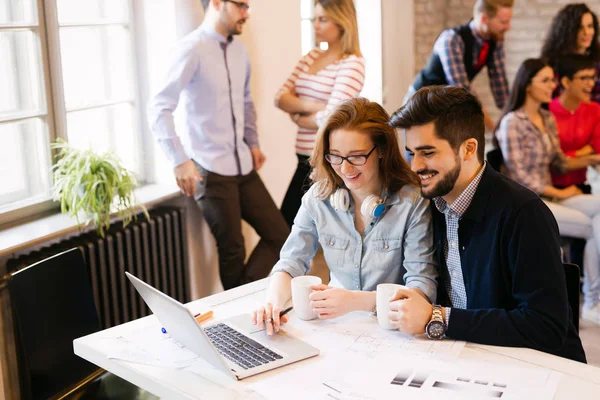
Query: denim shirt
x,y
397,247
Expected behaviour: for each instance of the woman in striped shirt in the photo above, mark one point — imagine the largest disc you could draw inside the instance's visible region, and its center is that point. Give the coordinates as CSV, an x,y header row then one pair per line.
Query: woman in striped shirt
x,y
320,80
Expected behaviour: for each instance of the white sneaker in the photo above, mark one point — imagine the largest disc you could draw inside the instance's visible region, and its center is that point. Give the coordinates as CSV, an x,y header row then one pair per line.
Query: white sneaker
x,y
591,314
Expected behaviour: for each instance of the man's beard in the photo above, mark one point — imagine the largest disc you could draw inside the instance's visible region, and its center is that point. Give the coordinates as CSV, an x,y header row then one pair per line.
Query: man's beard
x,y
444,186
497,36
232,29
235,30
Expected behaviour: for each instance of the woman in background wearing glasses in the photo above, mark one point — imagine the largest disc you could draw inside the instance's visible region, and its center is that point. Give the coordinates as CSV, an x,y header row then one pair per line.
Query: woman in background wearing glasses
x,y
577,118
365,210
529,142
320,80
574,30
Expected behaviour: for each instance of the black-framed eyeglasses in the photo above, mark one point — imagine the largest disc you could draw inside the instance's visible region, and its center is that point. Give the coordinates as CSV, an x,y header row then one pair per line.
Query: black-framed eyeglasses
x,y
240,5
587,78
356,159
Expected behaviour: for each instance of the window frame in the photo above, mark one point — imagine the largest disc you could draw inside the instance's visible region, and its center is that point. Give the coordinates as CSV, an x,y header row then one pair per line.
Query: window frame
x,y
38,26
47,27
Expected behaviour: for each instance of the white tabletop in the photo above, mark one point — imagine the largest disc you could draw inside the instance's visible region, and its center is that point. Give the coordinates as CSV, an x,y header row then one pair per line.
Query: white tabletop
x,y
578,380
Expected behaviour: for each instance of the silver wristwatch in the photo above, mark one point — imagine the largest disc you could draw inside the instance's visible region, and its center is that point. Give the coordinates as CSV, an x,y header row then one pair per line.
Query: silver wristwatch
x,y
436,328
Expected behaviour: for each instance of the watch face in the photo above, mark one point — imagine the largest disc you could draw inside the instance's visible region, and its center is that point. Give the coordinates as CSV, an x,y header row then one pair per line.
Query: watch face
x,y
435,329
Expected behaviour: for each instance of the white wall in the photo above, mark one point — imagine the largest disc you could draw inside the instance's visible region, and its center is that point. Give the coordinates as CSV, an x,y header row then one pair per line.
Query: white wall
x,y
160,32
398,51
369,35
272,35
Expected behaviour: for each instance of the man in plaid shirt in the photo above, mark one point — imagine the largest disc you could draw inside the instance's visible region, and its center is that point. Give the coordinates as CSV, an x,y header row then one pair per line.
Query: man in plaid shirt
x,y
460,53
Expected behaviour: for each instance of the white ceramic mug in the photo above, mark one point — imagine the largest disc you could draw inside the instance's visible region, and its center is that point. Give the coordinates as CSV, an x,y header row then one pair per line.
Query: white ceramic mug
x,y
384,292
301,289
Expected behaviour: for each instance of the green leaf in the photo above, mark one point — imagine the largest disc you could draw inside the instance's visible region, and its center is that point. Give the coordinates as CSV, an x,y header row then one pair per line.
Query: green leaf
x,y
91,184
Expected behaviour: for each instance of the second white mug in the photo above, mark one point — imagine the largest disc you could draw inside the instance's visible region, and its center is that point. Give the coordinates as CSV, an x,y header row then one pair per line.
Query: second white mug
x,y
384,292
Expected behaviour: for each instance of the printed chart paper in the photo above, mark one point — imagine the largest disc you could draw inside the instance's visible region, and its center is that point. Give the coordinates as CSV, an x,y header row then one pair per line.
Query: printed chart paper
x,y
350,377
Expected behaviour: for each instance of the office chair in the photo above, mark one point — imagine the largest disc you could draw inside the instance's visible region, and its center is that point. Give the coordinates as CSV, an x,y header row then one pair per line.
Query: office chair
x,y
572,278
52,304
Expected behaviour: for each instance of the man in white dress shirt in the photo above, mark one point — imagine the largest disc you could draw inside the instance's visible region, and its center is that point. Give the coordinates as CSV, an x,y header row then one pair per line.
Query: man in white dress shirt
x,y
209,78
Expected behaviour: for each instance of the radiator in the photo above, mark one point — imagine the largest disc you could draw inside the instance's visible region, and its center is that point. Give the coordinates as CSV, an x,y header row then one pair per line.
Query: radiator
x,y
153,250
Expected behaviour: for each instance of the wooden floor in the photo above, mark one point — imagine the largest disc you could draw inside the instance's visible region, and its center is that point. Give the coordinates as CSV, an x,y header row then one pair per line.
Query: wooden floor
x,y
589,333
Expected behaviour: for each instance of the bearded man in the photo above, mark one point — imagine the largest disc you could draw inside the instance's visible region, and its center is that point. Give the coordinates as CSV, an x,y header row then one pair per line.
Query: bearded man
x,y
209,79
501,279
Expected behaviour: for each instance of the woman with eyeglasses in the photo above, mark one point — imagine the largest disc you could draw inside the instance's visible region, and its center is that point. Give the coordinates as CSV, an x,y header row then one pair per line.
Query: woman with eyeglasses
x,y
577,118
574,30
365,210
530,147
320,80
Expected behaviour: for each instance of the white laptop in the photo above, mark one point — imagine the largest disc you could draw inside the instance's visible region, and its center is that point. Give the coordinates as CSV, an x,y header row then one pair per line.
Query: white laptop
x,y
232,345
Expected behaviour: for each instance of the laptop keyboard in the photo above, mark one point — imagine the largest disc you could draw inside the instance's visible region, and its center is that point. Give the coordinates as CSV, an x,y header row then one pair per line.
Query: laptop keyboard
x,y
239,348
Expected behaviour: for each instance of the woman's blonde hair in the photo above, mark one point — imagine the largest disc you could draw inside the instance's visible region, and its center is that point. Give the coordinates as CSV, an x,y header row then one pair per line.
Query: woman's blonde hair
x,y
362,115
343,14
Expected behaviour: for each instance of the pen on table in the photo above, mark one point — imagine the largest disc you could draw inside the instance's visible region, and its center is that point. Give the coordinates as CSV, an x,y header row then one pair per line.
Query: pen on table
x,y
198,317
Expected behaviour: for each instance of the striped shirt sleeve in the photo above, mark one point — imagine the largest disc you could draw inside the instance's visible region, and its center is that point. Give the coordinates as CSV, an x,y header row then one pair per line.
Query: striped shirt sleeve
x,y
289,86
349,81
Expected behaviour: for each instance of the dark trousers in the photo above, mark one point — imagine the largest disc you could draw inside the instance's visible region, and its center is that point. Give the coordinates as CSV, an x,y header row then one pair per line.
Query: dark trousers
x,y
224,202
298,186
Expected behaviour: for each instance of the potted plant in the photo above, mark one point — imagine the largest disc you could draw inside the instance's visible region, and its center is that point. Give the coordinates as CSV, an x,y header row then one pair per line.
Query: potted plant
x,y
93,185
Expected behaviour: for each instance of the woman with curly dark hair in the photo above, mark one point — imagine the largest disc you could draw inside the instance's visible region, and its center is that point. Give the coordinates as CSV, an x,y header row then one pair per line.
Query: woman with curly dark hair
x,y
574,30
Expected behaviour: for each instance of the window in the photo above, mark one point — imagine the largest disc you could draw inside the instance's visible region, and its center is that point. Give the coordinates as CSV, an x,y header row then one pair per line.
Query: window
x,y
67,70
370,34
96,57
24,120
307,13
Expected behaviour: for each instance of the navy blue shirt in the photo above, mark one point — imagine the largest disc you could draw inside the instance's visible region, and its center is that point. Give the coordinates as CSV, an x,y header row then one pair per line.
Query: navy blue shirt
x,y
514,278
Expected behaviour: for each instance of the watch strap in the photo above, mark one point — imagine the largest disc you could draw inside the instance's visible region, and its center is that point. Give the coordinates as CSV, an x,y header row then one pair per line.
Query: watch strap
x,y
437,317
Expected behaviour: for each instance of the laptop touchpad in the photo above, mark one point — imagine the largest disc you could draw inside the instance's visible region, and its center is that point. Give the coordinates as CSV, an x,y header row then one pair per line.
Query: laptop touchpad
x,y
277,339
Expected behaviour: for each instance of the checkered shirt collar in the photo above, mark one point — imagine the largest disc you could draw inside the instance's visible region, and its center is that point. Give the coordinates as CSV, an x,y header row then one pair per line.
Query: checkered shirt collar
x,y
463,201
